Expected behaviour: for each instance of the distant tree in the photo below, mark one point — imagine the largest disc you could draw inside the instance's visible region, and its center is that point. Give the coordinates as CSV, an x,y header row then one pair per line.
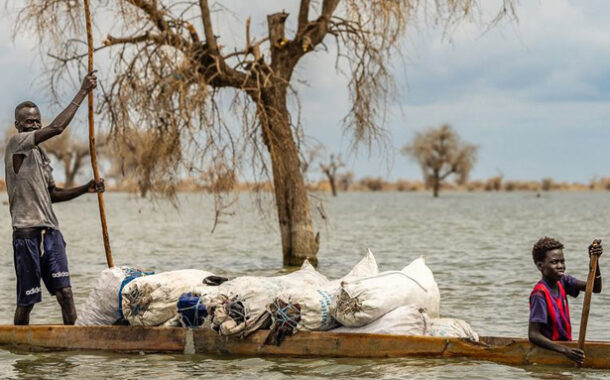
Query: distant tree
x,y
547,184
345,180
130,155
405,185
441,153
309,157
330,170
494,183
373,184
71,152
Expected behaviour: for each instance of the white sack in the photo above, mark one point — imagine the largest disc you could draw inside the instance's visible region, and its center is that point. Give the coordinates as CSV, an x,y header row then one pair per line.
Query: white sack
x,y
366,267
431,300
102,306
254,292
315,302
257,292
361,301
404,320
306,276
452,328
151,300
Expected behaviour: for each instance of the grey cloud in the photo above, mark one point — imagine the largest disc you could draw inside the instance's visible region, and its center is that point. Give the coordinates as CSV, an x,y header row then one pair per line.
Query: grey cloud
x,y
534,95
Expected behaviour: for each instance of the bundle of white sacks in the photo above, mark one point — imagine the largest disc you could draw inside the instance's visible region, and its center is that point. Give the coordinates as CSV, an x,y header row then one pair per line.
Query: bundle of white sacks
x,y
405,302
145,301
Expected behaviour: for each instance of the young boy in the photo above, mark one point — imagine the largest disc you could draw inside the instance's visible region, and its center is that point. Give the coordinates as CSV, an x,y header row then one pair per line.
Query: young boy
x,y
549,312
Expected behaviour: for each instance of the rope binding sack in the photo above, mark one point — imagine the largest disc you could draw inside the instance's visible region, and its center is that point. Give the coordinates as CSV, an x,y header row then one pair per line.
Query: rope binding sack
x,y
286,317
130,275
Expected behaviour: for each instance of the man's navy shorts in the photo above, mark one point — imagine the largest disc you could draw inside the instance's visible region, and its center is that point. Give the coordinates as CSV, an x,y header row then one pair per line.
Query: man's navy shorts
x,y
34,260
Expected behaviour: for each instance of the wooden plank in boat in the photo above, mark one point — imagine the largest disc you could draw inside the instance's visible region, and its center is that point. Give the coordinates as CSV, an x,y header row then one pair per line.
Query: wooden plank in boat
x,y
112,338
318,344
513,351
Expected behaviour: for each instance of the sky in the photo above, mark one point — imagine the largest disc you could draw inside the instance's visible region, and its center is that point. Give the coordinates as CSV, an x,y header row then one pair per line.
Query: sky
x,y
533,94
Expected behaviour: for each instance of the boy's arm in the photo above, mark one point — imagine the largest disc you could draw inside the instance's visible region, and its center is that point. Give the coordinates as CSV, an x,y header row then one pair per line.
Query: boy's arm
x,y
597,284
536,337
62,195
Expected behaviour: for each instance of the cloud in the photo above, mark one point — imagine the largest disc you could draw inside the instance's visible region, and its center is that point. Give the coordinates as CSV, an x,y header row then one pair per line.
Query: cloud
x,y
533,94
555,53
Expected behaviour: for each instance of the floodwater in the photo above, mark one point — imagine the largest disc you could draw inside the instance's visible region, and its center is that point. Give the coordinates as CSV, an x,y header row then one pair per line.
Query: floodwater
x,y
477,244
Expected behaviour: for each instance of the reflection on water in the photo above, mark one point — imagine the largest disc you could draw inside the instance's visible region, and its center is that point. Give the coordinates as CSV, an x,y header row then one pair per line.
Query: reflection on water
x,y
478,245
33,365
77,365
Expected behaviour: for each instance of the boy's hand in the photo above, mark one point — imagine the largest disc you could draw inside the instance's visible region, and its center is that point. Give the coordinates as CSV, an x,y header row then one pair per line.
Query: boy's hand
x,y
96,186
574,354
596,248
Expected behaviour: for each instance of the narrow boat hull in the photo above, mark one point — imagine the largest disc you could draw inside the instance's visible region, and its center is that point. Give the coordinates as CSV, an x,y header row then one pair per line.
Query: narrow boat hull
x,y
304,344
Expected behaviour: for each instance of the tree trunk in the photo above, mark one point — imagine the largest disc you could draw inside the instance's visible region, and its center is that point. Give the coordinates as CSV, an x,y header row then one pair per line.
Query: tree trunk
x,y
436,184
69,173
73,169
333,185
69,180
143,189
296,229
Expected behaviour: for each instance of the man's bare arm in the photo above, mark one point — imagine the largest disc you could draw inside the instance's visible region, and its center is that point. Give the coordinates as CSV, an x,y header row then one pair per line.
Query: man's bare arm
x,y
62,120
61,195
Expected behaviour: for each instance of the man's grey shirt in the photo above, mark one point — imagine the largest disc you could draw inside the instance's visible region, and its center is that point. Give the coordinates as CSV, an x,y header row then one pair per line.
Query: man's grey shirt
x,y
28,190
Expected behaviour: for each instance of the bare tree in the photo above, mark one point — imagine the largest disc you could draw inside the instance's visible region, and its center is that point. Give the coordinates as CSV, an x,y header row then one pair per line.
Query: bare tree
x,y
373,183
71,152
330,170
130,155
309,157
494,183
345,180
547,184
440,153
170,73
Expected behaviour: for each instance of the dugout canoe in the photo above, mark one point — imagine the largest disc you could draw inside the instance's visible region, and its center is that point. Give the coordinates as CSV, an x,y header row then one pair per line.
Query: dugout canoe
x,y
514,351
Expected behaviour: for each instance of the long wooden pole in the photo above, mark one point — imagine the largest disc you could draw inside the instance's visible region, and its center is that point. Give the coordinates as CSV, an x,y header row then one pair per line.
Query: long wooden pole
x,y
96,173
587,302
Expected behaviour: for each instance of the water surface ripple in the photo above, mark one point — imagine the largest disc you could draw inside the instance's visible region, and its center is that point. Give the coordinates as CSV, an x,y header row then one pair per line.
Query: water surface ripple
x,y
477,244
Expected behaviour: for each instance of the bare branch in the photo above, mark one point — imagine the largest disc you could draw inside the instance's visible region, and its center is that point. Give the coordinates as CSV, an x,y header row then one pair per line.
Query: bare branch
x,y
318,32
210,38
277,36
155,15
303,15
110,40
192,32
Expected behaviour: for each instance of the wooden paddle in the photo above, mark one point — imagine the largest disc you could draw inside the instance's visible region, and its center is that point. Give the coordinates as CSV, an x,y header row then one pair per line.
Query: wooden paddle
x,y
96,173
587,302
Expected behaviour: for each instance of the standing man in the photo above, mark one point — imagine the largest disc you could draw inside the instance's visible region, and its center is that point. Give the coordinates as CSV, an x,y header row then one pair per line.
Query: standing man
x,y
38,247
